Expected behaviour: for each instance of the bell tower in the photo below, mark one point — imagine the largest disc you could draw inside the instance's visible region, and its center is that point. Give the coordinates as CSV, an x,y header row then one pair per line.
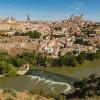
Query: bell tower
x,y
28,18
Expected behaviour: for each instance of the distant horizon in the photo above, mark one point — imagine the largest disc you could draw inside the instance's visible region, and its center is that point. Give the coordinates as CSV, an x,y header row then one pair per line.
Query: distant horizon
x,y
32,18
52,10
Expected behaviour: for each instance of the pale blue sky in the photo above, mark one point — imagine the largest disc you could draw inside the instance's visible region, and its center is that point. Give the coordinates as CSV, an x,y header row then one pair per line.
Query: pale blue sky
x,y
50,9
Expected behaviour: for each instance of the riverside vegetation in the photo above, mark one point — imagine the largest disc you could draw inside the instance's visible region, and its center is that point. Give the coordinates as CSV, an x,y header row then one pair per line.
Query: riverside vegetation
x,y
87,89
9,65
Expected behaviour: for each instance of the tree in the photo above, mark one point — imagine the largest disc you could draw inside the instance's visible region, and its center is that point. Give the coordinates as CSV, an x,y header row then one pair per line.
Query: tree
x,y
71,61
29,57
17,62
41,60
91,56
7,69
68,60
55,62
81,57
34,35
62,60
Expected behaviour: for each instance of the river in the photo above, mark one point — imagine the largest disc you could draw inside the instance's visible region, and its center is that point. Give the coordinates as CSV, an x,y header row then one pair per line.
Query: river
x,y
39,82
47,83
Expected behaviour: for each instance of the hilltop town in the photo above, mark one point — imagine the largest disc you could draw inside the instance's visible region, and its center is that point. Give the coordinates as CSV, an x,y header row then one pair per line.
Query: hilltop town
x,y
57,37
54,47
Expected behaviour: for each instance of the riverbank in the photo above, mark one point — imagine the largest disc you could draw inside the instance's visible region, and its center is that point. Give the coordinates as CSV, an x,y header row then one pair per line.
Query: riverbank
x,y
15,95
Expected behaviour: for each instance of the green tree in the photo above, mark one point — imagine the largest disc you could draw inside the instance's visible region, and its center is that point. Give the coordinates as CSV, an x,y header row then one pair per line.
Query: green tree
x,y
81,57
91,56
18,62
7,69
71,61
55,62
41,60
34,35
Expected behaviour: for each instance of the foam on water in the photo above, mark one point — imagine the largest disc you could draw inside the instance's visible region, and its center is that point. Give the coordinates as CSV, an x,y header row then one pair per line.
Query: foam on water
x,y
57,87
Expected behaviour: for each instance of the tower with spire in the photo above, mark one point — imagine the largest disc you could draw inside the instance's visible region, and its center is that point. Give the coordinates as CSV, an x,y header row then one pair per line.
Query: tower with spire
x,y
28,18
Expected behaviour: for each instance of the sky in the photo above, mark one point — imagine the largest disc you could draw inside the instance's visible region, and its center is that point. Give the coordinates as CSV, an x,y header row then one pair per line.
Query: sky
x,y
50,9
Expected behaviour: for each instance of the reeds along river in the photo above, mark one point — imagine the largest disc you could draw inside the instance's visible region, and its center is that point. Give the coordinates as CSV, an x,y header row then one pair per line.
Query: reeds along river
x,y
38,82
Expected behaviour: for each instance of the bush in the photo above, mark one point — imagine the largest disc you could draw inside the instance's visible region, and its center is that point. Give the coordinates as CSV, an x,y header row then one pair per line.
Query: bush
x,y
7,69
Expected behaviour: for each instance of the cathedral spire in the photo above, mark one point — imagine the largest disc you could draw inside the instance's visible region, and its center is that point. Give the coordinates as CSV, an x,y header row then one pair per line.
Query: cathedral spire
x,y
28,17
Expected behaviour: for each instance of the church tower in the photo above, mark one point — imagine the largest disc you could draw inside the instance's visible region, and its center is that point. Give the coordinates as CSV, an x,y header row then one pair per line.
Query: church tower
x,y
28,18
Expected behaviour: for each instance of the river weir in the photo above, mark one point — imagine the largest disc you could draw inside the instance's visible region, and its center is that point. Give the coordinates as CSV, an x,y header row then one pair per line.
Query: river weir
x,y
49,86
38,82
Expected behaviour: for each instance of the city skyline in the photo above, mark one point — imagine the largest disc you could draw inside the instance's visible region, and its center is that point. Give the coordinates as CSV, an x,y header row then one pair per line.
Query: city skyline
x,y
50,9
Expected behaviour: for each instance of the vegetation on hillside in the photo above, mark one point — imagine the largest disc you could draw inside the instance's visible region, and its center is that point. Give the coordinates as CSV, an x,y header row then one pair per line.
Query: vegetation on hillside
x,y
7,69
33,35
9,64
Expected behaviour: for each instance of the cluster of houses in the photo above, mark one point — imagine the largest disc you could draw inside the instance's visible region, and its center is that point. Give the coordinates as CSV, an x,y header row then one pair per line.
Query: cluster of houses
x,y
58,37
63,35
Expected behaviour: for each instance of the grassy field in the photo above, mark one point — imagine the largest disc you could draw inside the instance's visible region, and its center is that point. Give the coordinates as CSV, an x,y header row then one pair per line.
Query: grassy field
x,y
79,71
